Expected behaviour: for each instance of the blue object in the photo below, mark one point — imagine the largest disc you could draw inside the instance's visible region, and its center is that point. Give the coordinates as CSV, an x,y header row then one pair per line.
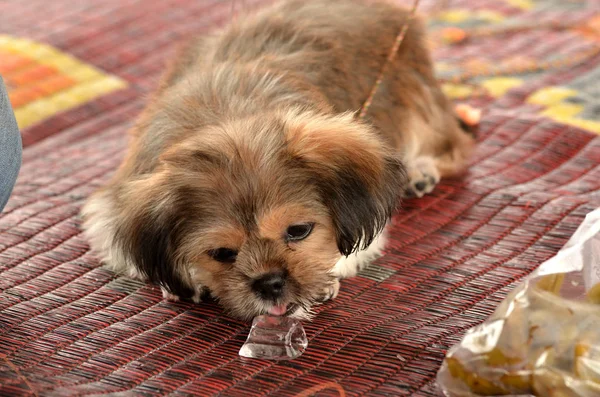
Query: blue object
x,y
10,147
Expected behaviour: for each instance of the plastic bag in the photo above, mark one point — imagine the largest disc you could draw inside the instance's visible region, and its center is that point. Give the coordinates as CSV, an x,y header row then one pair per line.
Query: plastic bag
x,y
544,338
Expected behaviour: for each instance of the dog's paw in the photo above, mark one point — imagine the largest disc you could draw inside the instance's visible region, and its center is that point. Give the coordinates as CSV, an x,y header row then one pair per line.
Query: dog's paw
x,y
168,295
200,293
330,292
423,176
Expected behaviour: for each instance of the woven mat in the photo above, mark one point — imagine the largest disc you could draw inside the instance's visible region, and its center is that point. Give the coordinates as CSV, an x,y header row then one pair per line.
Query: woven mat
x,y
69,327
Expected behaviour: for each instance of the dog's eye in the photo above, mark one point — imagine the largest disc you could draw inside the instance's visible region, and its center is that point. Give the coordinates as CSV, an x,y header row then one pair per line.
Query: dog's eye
x,y
298,232
223,255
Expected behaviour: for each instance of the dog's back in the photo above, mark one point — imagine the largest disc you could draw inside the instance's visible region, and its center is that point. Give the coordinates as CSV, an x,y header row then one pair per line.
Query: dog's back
x,y
338,46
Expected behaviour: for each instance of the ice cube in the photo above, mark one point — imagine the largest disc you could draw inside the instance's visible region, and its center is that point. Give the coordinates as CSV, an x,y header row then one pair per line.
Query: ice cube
x,y
275,338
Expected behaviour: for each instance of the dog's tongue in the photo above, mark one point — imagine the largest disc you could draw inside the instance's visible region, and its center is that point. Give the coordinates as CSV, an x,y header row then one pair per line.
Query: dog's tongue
x,y
278,310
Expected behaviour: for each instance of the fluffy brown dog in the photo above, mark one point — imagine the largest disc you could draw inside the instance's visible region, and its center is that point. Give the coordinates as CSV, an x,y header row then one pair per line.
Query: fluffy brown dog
x,y
249,174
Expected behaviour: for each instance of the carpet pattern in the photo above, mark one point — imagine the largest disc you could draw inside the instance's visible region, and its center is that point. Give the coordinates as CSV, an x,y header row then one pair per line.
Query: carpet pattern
x,y
43,81
69,327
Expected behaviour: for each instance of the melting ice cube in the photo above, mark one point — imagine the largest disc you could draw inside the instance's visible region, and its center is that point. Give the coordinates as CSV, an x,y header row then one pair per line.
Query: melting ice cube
x,y
275,338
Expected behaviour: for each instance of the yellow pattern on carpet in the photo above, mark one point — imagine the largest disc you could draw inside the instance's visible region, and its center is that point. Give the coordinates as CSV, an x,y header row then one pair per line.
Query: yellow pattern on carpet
x,y
43,81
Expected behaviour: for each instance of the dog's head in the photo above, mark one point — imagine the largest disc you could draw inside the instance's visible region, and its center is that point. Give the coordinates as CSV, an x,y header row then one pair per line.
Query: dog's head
x,y
259,210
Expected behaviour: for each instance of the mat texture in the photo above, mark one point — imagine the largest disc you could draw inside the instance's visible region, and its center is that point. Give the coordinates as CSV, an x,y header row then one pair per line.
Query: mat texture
x,y
78,75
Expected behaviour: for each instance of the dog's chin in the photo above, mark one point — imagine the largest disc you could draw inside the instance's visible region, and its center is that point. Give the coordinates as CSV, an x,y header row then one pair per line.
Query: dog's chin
x,y
256,307
294,310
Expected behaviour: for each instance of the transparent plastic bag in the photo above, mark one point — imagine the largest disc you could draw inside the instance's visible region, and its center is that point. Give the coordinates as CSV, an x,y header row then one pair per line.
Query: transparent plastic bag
x,y
544,338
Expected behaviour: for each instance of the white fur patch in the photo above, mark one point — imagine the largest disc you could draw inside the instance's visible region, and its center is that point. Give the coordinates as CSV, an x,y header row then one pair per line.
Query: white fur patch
x,y
169,296
196,298
349,266
99,224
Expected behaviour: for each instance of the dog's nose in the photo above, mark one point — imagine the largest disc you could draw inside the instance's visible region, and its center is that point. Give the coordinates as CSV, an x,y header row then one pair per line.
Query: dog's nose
x,y
270,286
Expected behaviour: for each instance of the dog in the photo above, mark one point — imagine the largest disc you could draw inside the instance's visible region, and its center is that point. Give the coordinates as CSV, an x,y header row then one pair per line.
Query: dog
x,y
249,176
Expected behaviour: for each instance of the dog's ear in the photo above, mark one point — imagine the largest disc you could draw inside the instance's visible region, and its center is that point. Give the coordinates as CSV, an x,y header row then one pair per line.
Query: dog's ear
x,y
151,226
359,179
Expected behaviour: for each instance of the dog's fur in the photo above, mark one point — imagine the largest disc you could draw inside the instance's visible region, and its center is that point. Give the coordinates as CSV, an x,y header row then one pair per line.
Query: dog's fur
x,y
253,129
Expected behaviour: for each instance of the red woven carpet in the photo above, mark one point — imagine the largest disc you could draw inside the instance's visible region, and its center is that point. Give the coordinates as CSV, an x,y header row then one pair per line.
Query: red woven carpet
x,y
78,73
